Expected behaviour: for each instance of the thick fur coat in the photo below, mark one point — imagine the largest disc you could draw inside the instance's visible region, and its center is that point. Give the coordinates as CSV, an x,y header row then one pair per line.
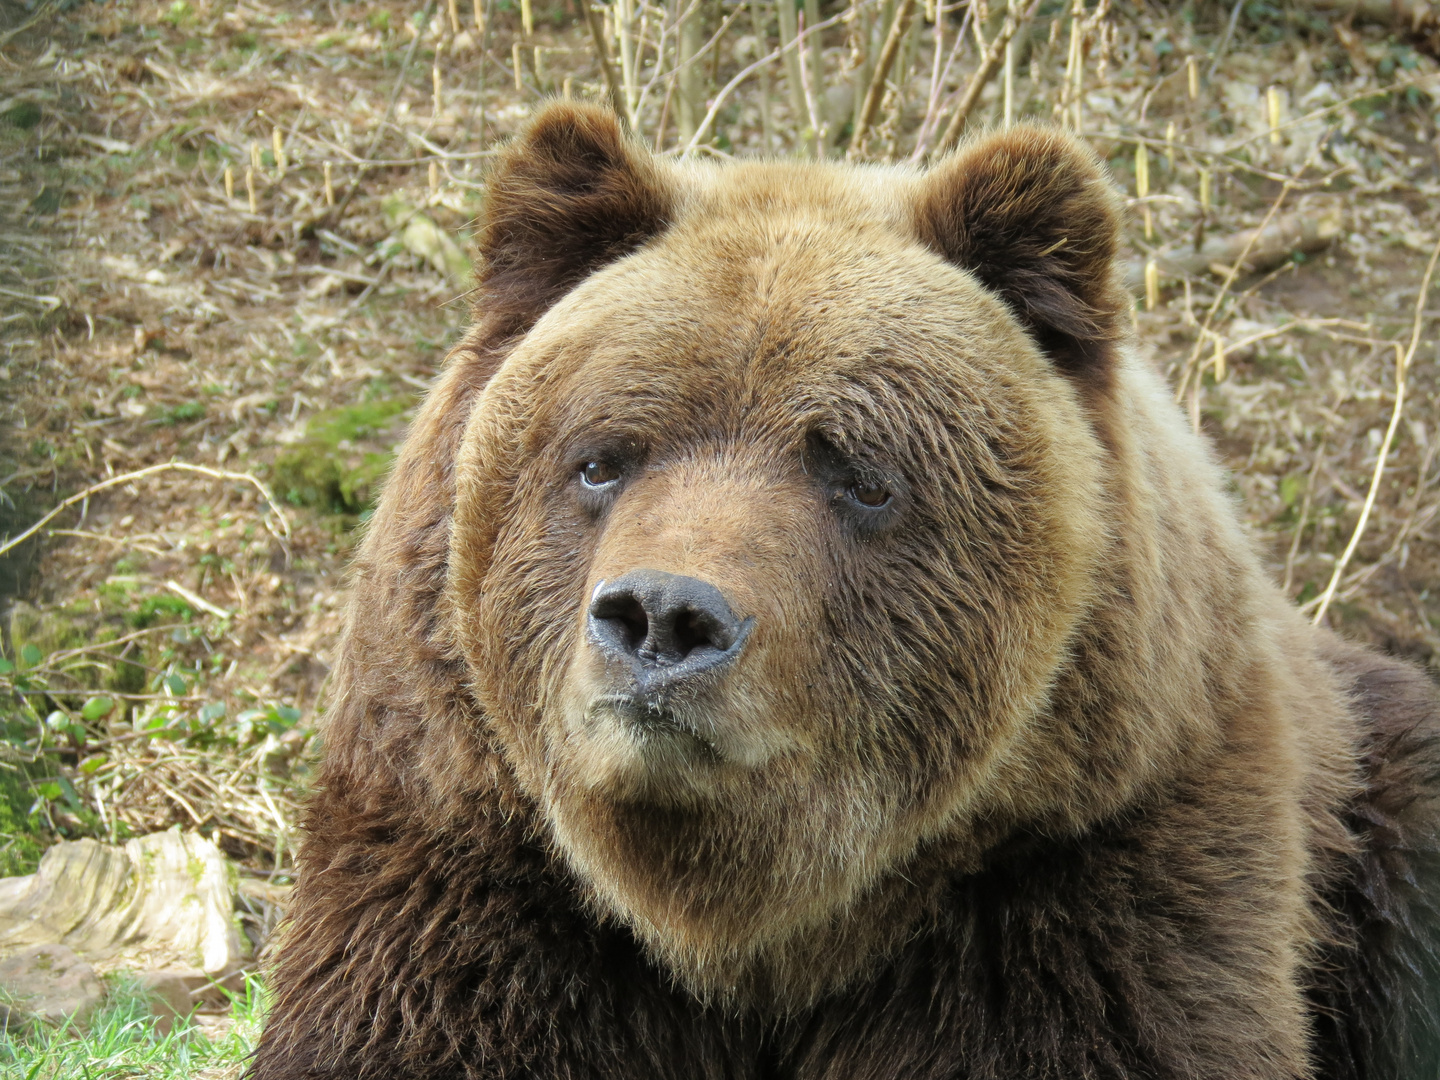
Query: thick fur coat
x,y
1008,761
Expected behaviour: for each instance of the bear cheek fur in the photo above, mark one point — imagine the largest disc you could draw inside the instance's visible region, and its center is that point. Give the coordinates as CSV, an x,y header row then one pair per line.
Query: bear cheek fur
x,y
739,861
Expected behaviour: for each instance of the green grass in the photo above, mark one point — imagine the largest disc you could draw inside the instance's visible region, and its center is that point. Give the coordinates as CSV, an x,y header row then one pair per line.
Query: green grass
x,y
123,1041
21,840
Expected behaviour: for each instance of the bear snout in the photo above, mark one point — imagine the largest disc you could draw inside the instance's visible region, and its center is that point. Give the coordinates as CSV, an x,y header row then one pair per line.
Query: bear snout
x,y
661,634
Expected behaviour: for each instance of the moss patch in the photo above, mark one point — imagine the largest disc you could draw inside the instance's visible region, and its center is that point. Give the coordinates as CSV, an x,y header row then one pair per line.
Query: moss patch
x,y
55,629
337,467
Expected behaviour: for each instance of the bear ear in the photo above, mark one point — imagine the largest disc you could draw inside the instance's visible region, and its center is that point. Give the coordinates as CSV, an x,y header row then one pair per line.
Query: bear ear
x,y
1031,213
568,196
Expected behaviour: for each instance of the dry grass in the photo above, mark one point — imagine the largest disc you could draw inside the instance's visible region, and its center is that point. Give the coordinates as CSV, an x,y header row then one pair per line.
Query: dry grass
x,y
280,323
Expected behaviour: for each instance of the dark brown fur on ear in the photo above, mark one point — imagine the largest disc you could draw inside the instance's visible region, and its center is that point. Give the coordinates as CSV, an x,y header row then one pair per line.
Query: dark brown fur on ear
x,y
1031,213
568,196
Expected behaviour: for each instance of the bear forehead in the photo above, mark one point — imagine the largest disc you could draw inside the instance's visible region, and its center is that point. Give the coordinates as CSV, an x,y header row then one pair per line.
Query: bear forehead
x,y
777,276
819,227
788,331
861,197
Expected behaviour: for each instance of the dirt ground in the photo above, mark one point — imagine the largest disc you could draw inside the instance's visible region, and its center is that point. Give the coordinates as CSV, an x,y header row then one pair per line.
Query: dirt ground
x,y
182,624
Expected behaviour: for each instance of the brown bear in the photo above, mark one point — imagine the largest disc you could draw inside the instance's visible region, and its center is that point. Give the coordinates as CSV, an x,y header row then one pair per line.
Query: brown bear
x,y
801,640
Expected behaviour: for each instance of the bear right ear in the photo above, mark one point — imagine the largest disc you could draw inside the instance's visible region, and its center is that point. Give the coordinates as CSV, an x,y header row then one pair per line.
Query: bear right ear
x,y
569,196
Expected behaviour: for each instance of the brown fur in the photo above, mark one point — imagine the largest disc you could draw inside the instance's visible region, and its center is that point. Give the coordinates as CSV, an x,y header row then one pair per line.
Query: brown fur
x,y
1028,774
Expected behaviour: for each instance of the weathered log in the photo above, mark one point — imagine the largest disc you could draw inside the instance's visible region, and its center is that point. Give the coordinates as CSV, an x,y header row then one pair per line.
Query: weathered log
x,y
1411,14
1305,231
168,897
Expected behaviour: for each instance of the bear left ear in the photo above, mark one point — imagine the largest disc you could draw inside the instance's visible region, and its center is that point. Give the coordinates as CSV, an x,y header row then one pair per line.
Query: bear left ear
x,y
571,194
1031,213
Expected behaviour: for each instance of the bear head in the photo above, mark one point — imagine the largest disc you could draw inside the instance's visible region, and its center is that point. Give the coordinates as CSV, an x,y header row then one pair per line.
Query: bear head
x,y
775,526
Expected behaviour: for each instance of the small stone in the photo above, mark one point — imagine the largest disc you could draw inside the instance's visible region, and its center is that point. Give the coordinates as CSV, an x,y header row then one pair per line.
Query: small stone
x,y
169,994
48,983
180,991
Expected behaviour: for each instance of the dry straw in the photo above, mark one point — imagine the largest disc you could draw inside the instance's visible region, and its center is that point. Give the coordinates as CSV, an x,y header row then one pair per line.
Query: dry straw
x,y
282,533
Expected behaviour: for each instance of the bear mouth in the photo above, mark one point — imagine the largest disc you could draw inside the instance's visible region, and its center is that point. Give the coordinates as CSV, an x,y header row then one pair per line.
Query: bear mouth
x,y
650,719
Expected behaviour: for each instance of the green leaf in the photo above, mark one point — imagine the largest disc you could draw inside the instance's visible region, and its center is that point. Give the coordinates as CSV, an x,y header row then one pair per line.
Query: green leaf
x,y
30,655
212,712
97,707
72,797
1290,489
284,716
246,721
57,721
6,667
176,684
48,789
90,765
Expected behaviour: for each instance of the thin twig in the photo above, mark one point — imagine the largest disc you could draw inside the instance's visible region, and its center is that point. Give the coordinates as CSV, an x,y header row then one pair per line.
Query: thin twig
x,y
1304,520
338,213
1402,368
169,466
1225,40
1225,349
745,73
812,103
15,31
199,601
1192,364
602,51
938,80
898,27
994,55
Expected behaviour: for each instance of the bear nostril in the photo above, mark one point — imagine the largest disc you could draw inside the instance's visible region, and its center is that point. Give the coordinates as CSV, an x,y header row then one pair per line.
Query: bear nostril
x,y
692,631
627,615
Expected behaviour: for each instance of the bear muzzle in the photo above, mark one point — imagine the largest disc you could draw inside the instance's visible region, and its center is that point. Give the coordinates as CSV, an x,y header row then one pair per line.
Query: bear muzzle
x,y
662,638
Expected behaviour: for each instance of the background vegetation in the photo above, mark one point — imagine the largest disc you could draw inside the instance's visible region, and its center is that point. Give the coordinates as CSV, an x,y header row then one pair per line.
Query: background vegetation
x,y
233,252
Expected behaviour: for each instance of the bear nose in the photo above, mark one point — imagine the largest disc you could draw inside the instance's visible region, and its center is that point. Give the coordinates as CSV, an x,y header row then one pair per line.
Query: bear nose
x,y
665,627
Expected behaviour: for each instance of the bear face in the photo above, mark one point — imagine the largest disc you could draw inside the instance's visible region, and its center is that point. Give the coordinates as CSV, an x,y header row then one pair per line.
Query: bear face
x,y
796,417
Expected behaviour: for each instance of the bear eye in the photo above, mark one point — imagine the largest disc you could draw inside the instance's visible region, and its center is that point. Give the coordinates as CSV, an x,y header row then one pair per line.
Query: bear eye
x,y
868,494
598,474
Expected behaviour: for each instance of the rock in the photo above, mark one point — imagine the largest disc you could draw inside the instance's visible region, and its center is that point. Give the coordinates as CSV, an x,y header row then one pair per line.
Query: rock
x,y
169,994
278,896
160,901
420,236
48,983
